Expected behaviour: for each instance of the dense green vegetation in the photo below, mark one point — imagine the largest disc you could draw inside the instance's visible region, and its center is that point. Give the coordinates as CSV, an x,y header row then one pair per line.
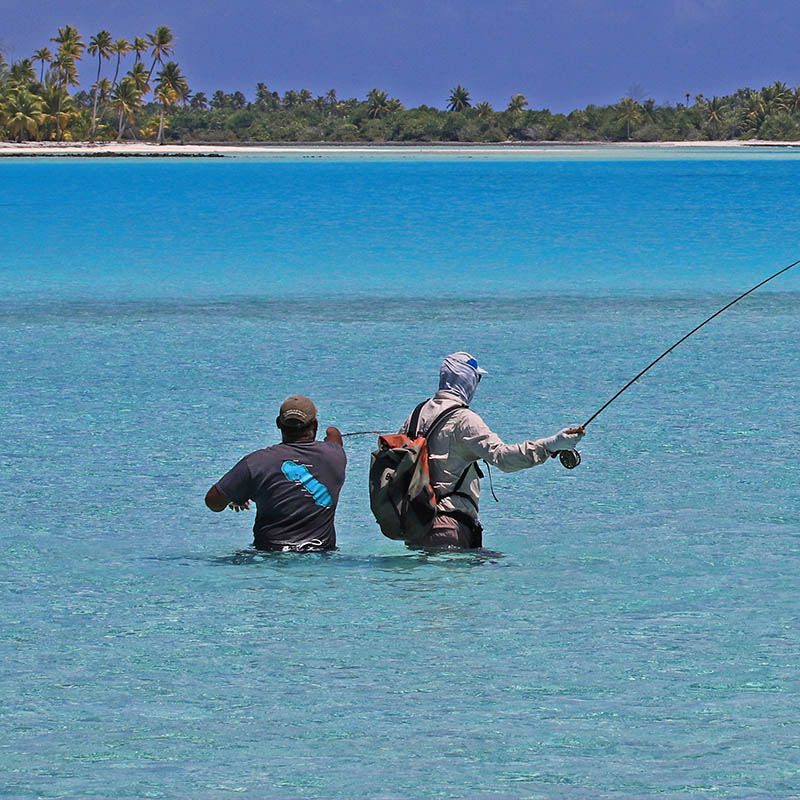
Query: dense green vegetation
x,y
40,107
152,100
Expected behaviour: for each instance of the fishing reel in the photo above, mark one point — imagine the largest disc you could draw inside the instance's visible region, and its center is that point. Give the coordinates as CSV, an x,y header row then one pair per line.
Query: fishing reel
x,y
569,458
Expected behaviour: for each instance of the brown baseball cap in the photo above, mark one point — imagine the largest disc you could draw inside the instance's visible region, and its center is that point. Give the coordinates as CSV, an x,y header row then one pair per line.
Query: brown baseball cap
x,y
297,411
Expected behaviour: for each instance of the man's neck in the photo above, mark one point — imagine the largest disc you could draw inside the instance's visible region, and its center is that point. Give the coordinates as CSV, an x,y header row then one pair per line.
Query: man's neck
x,y
448,394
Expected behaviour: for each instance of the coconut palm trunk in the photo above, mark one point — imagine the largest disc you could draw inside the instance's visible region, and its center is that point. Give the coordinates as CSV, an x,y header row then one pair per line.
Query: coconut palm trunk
x,y
99,45
95,92
94,115
58,114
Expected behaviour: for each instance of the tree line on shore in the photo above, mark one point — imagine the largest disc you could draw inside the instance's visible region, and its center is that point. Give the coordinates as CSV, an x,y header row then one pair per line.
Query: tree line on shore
x,y
38,105
151,100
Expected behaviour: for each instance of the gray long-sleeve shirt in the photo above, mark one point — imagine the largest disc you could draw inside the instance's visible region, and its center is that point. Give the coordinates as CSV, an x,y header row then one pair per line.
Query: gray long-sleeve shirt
x,y
462,440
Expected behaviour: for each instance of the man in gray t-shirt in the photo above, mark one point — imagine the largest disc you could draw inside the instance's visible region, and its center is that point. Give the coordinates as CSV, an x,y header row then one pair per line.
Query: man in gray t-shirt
x,y
295,484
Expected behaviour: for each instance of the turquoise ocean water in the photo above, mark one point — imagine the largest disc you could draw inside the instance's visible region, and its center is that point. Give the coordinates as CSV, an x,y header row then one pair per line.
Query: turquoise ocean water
x,y
632,628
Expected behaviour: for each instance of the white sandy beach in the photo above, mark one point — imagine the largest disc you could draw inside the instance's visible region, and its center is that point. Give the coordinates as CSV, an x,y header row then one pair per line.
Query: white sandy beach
x,y
140,149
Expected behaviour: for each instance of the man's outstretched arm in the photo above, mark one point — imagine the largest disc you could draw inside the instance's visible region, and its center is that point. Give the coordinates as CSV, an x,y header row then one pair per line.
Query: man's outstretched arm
x,y
482,443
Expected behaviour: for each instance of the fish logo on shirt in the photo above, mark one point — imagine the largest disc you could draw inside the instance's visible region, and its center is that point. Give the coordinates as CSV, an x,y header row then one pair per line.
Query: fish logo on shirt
x,y
299,474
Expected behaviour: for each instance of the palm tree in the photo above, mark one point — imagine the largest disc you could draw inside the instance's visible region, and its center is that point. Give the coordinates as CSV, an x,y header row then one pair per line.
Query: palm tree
x,y
794,105
70,49
171,75
151,127
121,47
22,111
199,101
56,105
70,42
22,72
305,96
184,93
755,112
69,38
517,103
263,96
378,103
629,112
42,55
167,96
290,99
99,45
140,77
126,99
484,110
65,69
459,99
777,97
139,45
66,75
171,88
103,88
714,109
162,45
393,104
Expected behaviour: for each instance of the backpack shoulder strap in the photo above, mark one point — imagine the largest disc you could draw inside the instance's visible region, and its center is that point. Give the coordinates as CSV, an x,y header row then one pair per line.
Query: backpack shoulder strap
x,y
455,490
414,421
441,419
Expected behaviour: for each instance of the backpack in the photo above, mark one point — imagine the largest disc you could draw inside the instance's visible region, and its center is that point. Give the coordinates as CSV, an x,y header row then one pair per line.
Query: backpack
x,y
400,493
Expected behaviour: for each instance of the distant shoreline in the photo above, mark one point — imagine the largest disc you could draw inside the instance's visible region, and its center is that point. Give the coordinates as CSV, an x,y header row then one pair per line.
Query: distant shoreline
x,y
220,149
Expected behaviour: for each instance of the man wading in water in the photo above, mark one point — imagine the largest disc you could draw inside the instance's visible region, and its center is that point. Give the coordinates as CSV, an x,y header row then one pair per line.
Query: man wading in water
x,y
295,484
456,447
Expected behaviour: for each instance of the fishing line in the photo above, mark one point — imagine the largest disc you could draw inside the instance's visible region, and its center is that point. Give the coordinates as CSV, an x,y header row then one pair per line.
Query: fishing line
x,y
684,338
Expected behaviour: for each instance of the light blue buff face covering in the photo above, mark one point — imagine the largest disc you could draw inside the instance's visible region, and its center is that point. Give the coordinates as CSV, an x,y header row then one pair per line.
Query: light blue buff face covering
x,y
457,377
300,474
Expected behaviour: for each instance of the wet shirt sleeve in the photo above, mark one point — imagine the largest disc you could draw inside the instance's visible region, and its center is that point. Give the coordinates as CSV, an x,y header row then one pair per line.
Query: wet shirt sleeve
x,y
237,484
480,442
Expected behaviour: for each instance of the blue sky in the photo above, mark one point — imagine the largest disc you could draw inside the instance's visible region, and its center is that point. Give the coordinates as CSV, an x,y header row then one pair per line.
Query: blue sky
x,y
561,54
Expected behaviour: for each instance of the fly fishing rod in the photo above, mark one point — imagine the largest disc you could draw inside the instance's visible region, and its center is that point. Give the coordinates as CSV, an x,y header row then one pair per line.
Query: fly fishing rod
x,y
571,458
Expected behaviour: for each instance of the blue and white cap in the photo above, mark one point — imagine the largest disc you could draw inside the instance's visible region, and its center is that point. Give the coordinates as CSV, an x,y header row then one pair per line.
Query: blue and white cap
x,y
470,360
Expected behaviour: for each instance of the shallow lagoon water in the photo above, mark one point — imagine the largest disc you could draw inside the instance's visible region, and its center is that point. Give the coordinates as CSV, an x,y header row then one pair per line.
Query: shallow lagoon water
x,y
631,628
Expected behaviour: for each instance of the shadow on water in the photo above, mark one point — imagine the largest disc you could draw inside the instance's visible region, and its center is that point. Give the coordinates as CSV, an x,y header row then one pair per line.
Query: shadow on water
x,y
251,556
401,563
405,562
438,557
